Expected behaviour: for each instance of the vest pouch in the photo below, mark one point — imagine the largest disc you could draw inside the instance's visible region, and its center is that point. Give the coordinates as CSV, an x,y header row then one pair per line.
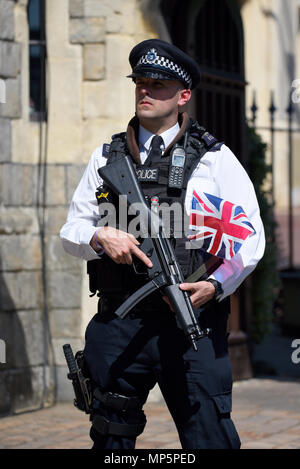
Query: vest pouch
x,y
107,277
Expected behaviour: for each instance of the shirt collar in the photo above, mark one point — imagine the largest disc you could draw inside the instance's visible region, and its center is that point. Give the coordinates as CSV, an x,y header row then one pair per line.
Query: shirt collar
x,y
145,136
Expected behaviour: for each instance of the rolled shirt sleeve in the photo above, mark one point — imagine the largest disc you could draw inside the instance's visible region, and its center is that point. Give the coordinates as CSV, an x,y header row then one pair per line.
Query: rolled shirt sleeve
x,y
83,215
221,174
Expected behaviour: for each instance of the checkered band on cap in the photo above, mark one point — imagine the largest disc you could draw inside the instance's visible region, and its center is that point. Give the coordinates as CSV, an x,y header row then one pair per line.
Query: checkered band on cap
x,y
152,58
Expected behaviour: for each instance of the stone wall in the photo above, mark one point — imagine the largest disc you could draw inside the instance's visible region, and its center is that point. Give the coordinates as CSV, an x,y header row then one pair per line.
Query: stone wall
x,y
44,297
18,304
40,285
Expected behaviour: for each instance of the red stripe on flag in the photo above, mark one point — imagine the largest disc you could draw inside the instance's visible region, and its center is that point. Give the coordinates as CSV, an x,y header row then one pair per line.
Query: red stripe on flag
x,y
201,202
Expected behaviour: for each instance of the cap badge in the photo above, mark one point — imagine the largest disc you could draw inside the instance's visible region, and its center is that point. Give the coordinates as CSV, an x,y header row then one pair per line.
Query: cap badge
x,y
151,56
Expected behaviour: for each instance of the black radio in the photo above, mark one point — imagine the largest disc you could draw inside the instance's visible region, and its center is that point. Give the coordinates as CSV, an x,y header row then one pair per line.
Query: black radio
x,y
176,169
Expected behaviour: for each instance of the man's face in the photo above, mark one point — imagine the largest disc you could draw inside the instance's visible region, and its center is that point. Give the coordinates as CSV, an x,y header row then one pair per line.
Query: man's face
x,y
158,99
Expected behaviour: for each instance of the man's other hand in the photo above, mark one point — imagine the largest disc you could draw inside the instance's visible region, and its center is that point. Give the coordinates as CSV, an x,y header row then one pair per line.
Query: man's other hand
x,y
200,293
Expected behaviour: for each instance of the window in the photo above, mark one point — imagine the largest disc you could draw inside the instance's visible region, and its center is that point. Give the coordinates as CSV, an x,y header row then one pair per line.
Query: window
x,y
37,59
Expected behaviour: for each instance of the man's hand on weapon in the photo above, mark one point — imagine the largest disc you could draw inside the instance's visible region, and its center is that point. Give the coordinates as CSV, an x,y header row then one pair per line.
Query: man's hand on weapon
x,y
200,292
120,246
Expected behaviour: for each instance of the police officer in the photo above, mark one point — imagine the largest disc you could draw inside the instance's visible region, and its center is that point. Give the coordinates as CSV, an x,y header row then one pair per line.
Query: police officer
x,y
125,358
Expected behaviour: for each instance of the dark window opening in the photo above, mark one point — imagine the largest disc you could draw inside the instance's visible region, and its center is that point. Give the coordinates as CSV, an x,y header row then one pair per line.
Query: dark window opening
x,y
37,59
217,39
211,31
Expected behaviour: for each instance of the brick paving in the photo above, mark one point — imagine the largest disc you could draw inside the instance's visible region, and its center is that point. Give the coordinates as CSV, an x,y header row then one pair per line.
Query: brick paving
x,y
266,413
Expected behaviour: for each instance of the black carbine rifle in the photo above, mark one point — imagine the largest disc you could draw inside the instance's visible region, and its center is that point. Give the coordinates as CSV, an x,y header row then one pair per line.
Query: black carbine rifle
x,y
166,274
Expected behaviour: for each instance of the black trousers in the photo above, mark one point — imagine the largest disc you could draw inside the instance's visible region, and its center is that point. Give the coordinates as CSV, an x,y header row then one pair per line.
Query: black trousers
x,y
129,356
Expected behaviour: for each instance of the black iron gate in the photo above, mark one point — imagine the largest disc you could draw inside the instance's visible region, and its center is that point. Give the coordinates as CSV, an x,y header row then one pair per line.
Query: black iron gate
x,y
289,129
289,221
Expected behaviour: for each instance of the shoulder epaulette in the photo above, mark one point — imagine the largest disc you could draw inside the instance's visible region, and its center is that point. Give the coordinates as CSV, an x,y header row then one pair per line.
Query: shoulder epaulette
x,y
209,139
217,146
105,149
119,135
211,142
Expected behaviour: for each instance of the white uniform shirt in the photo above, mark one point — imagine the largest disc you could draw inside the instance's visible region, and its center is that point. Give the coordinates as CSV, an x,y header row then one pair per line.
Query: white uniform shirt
x,y
218,173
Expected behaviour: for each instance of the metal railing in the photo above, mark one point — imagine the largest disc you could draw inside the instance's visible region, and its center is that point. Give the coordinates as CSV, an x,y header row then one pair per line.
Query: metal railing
x,y
289,129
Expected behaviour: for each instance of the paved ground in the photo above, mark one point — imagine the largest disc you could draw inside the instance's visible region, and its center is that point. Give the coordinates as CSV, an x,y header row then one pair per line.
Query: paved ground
x,y
266,413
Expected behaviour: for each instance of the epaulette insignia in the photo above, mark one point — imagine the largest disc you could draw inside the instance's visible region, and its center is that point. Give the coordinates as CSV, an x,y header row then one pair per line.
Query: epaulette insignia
x,y
209,140
105,149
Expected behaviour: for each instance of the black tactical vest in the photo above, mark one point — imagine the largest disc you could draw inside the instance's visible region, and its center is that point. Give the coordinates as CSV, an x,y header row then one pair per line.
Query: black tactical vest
x,y
110,278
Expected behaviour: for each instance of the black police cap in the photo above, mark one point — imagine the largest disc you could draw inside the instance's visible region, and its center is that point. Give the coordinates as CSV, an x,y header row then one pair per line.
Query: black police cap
x,y
160,60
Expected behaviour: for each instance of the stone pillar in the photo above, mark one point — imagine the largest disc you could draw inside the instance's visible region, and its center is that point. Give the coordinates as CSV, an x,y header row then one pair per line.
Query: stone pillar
x,y
238,342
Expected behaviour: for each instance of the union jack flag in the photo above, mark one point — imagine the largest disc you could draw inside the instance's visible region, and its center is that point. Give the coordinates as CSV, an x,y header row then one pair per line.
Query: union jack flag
x,y
222,226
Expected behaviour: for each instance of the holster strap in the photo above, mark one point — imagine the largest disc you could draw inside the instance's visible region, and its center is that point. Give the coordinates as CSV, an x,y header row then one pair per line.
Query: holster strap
x,y
117,402
105,427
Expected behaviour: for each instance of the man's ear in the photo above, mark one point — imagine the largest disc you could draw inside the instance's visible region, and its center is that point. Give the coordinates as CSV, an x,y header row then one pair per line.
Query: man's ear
x,y
184,97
